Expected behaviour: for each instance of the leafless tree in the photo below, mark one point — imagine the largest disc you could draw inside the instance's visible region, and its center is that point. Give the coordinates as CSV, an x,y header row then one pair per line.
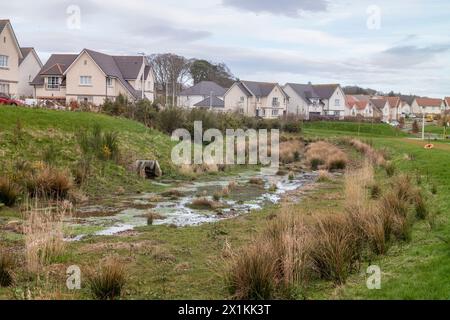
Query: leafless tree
x,y
171,72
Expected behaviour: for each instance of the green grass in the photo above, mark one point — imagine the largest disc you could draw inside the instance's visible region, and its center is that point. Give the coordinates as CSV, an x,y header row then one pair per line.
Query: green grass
x,y
29,134
325,128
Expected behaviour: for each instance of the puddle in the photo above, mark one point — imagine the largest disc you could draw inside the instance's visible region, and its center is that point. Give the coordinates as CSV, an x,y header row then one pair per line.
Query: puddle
x,y
176,211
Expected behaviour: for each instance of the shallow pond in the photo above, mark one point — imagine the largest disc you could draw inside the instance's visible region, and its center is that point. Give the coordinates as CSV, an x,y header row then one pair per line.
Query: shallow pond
x,y
131,212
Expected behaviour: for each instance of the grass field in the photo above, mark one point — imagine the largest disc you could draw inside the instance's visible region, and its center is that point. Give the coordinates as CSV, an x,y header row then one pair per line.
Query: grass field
x,y
164,262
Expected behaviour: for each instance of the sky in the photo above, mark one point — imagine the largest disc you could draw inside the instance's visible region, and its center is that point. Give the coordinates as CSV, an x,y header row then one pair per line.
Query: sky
x,y
401,45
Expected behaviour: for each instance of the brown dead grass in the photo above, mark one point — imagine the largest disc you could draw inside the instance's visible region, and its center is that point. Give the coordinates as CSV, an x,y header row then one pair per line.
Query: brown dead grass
x,y
324,155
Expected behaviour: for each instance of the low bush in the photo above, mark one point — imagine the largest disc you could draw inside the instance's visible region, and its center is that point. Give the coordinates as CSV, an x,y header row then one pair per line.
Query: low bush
x,y
49,182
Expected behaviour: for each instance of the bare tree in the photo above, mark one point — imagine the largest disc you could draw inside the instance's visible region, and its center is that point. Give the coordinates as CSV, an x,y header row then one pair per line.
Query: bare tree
x,y
171,71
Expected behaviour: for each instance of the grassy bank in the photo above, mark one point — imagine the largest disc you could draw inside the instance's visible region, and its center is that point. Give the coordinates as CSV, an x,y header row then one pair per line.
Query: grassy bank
x,y
36,135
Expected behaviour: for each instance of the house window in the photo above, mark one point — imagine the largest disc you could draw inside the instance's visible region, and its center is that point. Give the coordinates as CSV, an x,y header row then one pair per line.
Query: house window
x,y
109,82
242,99
274,112
275,102
4,61
337,102
53,83
4,88
85,80
241,110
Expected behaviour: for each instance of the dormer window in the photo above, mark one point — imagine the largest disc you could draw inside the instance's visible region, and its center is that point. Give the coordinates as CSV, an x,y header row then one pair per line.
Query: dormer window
x,y
3,61
53,82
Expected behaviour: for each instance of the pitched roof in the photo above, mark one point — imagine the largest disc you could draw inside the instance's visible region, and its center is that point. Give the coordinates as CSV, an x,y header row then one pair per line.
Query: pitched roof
x,y
3,24
429,102
129,66
350,100
56,65
306,91
25,52
447,101
259,89
361,105
379,103
216,103
325,91
394,102
204,88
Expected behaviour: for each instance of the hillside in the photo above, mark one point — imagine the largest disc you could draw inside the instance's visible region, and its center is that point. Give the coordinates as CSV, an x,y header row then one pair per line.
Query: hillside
x,y
35,135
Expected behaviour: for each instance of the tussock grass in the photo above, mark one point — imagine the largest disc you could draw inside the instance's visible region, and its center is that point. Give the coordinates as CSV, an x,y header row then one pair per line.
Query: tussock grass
x,y
46,181
376,157
7,264
204,204
9,191
324,155
290,151
108,281
44,235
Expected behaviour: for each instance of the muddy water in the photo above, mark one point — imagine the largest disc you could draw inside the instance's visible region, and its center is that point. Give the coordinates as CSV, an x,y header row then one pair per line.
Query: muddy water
x,y
130,212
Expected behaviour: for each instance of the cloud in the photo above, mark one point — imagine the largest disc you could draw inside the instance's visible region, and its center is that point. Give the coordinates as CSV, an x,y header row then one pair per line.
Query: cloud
x,y
290,8
400,57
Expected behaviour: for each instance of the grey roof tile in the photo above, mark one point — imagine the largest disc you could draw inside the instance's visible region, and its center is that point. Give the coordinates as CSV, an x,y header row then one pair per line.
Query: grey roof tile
x,y
204,88
216,103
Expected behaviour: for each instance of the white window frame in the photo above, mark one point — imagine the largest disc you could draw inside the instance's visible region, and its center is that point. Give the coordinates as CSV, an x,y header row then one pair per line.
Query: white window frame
x,y
275,112
86,81
4,61
53,85
4,88
337,102
109,82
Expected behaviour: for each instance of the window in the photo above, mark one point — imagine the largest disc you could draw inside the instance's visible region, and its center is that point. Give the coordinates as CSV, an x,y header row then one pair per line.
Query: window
x,y
109,82
4,61
242,99
337,102
85,80
275,102
274,112
53,83
4,88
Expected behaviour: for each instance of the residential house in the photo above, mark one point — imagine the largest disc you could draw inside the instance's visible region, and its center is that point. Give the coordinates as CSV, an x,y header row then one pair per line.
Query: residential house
x,y
381,108
394,105
427,106
200,92
18,66
29,67
256,99
358,106
333,99
303,100
404,110
310,100
92,77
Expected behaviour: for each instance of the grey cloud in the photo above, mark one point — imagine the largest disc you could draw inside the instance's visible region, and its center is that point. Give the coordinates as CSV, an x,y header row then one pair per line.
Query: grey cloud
x,y
406,56
290,8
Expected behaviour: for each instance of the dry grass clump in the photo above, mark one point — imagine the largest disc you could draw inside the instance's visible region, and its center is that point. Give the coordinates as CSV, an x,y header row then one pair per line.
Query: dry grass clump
x,y
324,176
290,151
49,182
152,216
376,157
108,281
256,181
7,264
324,155
356,183
9,192
174,194
204,204
44,235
